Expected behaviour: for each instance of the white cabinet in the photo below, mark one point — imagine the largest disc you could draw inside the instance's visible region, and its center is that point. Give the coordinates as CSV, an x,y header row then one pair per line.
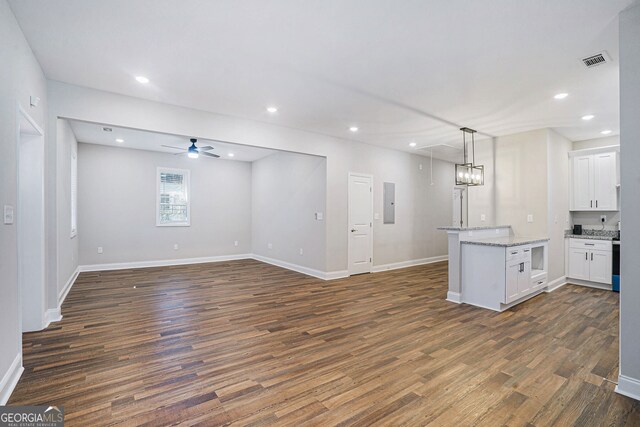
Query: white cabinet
x,y
590,260
594,178
518,273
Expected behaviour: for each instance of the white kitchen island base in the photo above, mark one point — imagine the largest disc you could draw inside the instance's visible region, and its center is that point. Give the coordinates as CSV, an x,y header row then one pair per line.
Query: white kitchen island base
x,y
499,273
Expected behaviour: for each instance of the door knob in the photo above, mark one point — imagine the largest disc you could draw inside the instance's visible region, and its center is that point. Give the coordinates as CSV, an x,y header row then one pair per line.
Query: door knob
x,y
353,230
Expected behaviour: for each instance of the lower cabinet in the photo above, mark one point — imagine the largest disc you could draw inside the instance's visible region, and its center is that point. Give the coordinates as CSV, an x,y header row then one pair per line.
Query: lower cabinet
x,y
518,279
590,260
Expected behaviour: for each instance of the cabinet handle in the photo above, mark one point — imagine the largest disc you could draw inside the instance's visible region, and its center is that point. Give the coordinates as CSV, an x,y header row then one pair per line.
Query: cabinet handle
x,y
596,203
591,256
586,256
589,244
591,203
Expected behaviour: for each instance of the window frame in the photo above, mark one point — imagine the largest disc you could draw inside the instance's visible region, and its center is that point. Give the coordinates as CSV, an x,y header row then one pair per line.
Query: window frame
x,y
73,195
187,180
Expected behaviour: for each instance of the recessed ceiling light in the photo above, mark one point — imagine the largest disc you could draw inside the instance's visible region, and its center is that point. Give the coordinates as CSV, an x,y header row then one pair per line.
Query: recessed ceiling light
x,y
272,109
353,128
588,117
412,144
562,95
107,129
231,154
119,140
606,132
142,79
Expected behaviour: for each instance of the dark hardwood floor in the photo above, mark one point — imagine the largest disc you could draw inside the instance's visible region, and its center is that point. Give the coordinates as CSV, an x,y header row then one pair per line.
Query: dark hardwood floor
x,y
246,343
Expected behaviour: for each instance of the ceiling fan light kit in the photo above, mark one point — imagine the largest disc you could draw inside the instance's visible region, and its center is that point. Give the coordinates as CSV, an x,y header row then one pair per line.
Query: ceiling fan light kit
x,y
194,152
468,173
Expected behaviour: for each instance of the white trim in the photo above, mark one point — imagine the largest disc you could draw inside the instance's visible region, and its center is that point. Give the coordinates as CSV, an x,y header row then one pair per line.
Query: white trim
x,y
589,284
410,263
289,266
628,386
364,175
161,263
596,150
186,173
454,297
10,379
67,286
338,274
556,284
52,315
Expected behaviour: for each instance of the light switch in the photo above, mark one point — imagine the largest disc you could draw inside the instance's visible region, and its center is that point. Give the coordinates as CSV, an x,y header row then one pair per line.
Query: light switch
x,y
8,214
483,217
99,249
319,216
175,247
269,246
529,218
376,215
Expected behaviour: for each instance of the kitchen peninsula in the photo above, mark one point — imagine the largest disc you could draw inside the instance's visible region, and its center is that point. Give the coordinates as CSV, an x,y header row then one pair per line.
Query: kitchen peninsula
x,y
491,268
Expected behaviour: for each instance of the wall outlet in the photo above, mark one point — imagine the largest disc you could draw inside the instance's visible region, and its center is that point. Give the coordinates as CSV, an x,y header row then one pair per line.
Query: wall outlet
x,y
420,167
319,216
529,218
301,251
175,247
99,249
269,246
603,218
8,214
483,217
235,243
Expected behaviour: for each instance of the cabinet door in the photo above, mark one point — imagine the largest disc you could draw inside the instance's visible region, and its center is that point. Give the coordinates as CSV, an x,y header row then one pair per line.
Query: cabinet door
x,y
600,268
605,194
582,183
579,260
513,273
524,280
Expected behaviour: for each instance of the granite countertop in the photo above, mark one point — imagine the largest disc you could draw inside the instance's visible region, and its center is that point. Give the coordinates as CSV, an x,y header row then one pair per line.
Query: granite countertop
x,y
589,236
484,227
506,241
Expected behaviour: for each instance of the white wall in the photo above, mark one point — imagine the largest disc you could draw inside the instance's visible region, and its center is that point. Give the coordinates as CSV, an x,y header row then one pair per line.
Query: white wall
x,y
629,379
596,142
67,246
287,190
117,207
521,182
558,220
482,199
21,77
342,155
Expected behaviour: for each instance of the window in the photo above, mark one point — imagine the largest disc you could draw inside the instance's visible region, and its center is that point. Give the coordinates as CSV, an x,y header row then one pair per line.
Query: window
x,y
173,198
74,195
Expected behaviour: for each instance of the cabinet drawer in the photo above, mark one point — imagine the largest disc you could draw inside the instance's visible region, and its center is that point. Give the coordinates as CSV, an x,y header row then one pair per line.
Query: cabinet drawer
x,y
590,244
518,252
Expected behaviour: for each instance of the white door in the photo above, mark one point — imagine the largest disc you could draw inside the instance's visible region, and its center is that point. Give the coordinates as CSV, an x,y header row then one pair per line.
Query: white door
x,y
360,223
459,207
513,272
579,264
604,166
600,268
582,183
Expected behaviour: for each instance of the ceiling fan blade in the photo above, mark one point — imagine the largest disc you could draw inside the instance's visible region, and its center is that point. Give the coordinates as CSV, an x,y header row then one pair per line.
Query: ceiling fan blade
x,y
208,154
184,153
175,148
206,148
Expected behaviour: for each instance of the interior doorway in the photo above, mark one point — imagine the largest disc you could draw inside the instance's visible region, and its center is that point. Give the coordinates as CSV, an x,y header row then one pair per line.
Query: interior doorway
x,y
360,223
30,223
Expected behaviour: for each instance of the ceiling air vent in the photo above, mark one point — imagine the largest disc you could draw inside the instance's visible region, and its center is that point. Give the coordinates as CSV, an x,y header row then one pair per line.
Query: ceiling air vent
x,y
597,59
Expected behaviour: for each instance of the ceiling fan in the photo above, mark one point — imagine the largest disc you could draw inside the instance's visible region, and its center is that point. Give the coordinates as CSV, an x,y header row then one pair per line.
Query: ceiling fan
x,y
193,152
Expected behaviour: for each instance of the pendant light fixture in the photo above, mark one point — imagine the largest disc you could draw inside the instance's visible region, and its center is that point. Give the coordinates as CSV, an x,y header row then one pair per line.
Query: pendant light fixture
x,y
468,173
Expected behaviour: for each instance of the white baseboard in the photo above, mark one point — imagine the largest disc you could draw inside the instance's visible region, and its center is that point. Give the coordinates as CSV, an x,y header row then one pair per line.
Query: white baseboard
x,y
67,286
161,263
410,263
339,274
556,284
454,297
289,266
52,315
588,284
55,314
628,386
10,379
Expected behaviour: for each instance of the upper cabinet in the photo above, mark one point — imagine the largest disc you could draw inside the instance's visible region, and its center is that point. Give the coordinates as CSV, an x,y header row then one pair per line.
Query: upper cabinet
x,y
594,179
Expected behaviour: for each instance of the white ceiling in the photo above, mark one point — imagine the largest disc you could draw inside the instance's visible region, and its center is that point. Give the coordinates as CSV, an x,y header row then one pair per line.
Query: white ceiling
x,y
402,71
93,133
